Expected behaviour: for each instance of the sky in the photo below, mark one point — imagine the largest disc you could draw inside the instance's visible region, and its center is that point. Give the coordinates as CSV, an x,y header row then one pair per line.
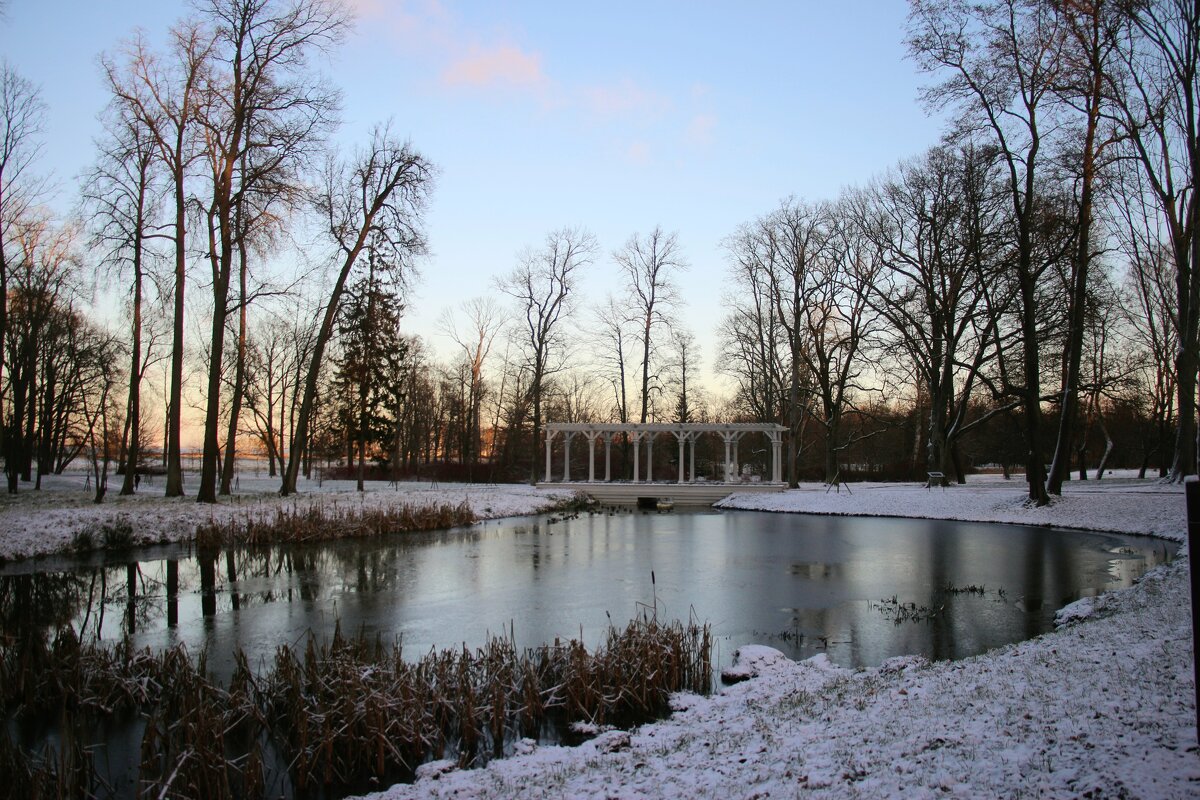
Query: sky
x,y
616,116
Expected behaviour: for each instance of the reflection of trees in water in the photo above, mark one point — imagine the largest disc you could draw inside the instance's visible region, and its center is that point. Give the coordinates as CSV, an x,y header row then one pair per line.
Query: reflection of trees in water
x,y
140,592
375,569
83,599
29,602
1040,571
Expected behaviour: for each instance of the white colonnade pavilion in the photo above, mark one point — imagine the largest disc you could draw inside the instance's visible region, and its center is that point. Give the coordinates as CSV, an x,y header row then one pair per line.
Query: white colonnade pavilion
x,y
685,434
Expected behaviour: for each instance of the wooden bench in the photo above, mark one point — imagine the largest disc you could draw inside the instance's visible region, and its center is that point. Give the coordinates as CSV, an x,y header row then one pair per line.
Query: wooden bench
x,y
940,477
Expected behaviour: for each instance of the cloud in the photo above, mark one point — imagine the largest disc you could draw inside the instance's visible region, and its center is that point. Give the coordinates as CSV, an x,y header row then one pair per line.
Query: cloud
x,y
496,67
699,132
417,25
459,56
625,97
367,8
638,153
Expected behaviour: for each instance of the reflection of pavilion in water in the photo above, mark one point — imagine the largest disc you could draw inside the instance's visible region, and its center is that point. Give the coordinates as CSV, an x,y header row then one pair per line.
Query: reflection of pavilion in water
x,y
762,577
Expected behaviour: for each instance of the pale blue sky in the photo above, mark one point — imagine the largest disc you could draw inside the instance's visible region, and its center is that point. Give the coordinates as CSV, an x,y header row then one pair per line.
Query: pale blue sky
x,y
616,116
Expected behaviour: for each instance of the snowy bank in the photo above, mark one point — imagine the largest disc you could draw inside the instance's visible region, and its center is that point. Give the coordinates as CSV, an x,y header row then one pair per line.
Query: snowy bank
x,y
1119,505
1103,707
36,523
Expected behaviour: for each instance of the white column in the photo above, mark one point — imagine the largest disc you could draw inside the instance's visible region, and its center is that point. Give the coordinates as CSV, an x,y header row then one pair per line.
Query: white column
x,y
692,464
607,457
681,437
776,459
549,438
591,437
650,459
728,441
637,439
567,456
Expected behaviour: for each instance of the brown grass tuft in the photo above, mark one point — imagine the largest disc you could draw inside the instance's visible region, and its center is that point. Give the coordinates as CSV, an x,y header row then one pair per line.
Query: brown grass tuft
x,y
338,717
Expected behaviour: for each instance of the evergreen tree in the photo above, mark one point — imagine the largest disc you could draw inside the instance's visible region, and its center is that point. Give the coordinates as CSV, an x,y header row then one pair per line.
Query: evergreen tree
x,y
372,356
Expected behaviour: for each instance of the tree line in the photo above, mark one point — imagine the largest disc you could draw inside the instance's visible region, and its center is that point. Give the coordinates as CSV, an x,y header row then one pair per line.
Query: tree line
x,y
1027,282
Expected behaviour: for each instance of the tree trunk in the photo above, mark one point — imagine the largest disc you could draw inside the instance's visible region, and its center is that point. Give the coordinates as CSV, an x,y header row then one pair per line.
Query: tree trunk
x,y
133,422
1108,448
537,426
1060,465
1031,401
300,432
207,492
794,415
239,378
174,483
362,437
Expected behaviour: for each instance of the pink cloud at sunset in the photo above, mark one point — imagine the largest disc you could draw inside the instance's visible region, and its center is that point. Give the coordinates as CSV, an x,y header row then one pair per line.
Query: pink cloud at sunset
x,y
498,66
624,97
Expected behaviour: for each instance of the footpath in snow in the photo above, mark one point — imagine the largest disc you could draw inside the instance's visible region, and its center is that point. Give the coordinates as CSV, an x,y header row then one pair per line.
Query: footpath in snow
x,y
1101,708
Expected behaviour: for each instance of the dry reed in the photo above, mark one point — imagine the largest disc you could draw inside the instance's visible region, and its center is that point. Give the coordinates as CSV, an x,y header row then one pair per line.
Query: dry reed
x,y
343,716
321,522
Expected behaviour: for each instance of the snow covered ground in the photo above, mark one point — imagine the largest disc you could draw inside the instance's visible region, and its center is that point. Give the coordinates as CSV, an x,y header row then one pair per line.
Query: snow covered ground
x,y
35,523
1119,503
1103,707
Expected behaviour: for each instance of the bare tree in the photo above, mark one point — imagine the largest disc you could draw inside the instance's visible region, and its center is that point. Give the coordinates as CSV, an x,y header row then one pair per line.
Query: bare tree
x,y
270,370
1158,99
484,321
43,282
575,396
685,360
937,225
96,362
374,203
542,285
838,323
1150,288
262,117
21,116
648,263
1089,56
753,342
164,98
794,239
122,193
611,343
1002,60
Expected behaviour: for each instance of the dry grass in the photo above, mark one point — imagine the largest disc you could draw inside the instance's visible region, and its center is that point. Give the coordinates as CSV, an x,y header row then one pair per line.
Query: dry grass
x,y
319,522
344,716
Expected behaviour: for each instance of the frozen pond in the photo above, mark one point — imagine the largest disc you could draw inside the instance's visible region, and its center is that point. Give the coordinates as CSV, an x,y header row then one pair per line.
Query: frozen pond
x,y
860,589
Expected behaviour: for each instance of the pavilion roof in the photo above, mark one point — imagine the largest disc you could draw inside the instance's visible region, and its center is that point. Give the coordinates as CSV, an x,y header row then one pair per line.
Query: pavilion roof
x,y
663,427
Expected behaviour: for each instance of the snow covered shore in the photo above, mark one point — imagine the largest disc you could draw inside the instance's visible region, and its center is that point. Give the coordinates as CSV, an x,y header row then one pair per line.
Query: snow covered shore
x,y
47,521
1103,707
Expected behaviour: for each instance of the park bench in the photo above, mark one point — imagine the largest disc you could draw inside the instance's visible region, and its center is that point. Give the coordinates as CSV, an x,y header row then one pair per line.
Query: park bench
x,y
940,477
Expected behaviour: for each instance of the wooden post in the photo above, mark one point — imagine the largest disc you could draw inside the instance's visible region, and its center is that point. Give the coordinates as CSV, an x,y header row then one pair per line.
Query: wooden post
x,y
1192,488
